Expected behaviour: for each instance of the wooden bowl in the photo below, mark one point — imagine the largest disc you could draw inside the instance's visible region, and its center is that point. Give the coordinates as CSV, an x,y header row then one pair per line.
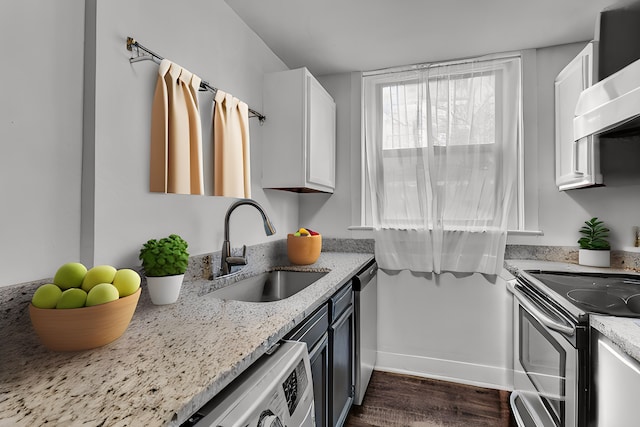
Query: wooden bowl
x,y
303,250
75,329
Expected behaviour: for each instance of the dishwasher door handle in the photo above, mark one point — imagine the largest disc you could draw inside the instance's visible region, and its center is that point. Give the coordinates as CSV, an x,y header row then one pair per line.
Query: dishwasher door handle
x,y
361,280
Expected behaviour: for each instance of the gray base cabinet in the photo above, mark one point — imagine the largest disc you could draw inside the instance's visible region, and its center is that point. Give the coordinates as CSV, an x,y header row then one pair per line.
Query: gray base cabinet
x,y
329,335
341,374
319,358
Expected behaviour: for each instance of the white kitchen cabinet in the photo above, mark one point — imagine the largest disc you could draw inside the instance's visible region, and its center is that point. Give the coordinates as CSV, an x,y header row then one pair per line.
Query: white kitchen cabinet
x,y
616,386
299,146
577,162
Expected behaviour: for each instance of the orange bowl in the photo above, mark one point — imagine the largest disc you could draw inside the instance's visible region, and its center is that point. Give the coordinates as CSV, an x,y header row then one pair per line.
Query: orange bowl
x,y
303,250
75,329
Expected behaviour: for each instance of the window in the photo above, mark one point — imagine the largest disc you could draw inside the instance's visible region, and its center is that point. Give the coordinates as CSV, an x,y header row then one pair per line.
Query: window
x,y
451,101
446,136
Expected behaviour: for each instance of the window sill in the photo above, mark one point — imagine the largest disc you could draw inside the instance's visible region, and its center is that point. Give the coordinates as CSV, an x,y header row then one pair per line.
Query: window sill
x,y
360,228
525,233
509,232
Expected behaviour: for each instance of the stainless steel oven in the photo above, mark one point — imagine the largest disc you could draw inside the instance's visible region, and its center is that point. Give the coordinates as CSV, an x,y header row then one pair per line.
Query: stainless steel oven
x,y
548,349
551,341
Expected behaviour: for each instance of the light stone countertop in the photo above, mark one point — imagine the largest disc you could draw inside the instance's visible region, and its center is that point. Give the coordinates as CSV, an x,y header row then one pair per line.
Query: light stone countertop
x,y
169,362
623,331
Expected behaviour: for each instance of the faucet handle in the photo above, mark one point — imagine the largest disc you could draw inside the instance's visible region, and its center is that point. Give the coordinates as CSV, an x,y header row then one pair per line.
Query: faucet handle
x,y
238,260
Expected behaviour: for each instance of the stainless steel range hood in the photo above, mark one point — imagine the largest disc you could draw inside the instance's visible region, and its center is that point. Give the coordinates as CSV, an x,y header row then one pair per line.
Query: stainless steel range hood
x,y
611,107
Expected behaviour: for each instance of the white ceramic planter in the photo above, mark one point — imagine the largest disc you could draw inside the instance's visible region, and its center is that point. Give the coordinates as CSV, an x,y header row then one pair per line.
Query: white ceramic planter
x,y
594,258
164,290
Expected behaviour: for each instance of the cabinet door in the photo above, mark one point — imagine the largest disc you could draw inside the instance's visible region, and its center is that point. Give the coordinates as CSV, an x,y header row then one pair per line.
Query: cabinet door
x,y
312,328
321,138
319,358
341,367
617,384
577,162
298,151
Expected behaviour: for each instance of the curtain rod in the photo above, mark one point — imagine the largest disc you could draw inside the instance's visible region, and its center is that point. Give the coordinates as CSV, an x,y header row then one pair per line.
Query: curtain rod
x,y
152,56
436,64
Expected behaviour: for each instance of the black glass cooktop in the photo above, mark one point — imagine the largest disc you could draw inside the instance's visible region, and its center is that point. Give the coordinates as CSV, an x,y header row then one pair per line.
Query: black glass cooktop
x,y
611,294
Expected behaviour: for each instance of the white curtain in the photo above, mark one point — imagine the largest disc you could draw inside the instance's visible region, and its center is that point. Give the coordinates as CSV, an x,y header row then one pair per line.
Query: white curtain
x,y
441,157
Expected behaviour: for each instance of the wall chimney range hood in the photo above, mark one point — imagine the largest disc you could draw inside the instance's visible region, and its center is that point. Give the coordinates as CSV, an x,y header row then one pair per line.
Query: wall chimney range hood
x,y
611,107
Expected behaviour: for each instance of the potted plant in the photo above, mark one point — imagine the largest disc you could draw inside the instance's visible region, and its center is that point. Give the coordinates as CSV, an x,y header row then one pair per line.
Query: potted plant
x,y
164,262
594,250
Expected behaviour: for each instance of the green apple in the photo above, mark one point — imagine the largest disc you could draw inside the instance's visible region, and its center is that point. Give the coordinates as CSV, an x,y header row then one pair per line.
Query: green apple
x,y
98,274
72,298
102,293
70,275
46,296
127,281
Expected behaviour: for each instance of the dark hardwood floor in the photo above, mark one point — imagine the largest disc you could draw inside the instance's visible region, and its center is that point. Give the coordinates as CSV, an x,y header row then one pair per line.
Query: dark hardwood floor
x,y
394,400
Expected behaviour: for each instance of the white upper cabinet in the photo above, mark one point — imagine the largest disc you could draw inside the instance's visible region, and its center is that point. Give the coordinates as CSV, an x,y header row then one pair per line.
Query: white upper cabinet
x,y
577,162
299,147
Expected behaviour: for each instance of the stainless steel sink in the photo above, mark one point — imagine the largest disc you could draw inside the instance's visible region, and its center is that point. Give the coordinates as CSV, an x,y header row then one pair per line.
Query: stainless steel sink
x,y
267,287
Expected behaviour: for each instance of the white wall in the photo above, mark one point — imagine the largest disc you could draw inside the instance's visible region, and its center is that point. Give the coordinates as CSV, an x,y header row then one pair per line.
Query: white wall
x,y
40,136
209,39
42,131
454,327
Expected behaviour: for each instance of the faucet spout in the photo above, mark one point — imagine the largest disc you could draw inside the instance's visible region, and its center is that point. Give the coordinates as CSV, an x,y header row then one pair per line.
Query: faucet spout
x,y
227,261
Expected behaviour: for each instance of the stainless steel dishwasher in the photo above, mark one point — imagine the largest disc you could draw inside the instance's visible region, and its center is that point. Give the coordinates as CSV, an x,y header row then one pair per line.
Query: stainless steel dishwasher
x,y
365,286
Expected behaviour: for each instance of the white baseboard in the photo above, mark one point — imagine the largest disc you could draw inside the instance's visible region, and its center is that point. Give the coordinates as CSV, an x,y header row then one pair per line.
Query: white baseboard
x,y
446,370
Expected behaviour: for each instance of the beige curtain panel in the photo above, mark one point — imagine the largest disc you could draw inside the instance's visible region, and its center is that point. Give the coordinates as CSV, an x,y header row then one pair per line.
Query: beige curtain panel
x,y
231,147
176,132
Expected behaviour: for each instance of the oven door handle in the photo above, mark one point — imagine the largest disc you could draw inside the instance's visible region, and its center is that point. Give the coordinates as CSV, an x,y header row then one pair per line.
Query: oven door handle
x,y
545,319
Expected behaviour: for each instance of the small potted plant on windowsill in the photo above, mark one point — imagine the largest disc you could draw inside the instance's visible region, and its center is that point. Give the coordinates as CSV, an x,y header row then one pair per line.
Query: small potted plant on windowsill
x,y
594,250
164,262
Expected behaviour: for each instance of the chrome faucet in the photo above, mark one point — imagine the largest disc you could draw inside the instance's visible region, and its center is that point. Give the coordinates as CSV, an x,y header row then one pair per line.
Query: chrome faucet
x,y
226,260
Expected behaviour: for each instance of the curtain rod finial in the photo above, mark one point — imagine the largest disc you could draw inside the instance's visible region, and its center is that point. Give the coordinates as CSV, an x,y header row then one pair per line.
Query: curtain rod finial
x,y
130,42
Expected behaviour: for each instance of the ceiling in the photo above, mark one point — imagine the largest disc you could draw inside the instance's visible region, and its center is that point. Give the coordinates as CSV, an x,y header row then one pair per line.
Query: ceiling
x,y
333,36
